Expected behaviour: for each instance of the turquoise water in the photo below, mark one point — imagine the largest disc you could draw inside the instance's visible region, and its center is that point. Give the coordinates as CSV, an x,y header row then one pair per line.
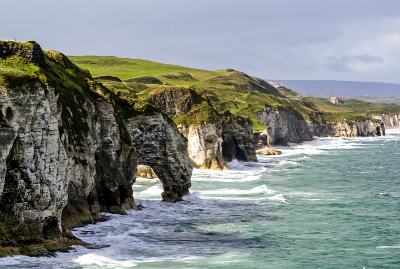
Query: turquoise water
x,y
329,203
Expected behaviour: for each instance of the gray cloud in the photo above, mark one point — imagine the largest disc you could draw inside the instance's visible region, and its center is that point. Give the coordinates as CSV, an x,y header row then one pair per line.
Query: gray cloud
x,y
341,64
285,39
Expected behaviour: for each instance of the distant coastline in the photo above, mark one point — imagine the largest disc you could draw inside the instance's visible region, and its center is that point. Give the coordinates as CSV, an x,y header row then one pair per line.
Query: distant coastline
x,y
321,88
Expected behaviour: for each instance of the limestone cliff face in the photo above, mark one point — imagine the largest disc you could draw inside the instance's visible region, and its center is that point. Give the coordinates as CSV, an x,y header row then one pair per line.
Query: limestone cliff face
x,y
205,145
50,178
33,168
350,129
287,127
391,121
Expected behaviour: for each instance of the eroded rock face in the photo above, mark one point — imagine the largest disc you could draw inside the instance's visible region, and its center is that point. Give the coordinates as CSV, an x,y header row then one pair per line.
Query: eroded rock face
x,y
33,168
212,143
51,175
161,146
286,127
205,145
238,140
391,121
102,170
351,129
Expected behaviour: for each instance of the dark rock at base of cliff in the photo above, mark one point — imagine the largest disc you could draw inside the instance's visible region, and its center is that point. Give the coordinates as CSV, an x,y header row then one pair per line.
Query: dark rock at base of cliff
x,y
238,139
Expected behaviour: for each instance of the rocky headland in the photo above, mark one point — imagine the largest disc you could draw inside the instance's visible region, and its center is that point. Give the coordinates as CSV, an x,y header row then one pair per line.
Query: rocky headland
x,y
69,149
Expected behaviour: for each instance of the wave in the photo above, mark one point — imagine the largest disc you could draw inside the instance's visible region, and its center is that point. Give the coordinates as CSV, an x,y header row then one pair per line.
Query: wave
x,y
388,247
93,259
263,189
152,191
238,177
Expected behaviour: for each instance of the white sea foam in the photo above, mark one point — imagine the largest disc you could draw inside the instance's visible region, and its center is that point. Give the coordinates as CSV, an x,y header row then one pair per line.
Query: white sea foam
x,y
388,247
105,262
153,190
228,178
277,198
257,190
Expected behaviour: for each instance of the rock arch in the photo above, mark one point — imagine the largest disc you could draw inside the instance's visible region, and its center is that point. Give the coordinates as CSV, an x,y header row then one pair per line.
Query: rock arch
x,y
164,149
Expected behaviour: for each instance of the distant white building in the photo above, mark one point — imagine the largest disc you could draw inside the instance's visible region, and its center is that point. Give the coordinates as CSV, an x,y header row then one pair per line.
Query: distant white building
x,y
8,39
275,84
336,100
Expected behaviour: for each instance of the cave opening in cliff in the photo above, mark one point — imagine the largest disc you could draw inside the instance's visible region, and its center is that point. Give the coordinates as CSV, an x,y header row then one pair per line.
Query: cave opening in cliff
x,y
378,131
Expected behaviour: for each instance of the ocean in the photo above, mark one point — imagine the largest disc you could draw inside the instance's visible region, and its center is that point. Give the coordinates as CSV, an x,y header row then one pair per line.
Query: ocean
x,y
327,203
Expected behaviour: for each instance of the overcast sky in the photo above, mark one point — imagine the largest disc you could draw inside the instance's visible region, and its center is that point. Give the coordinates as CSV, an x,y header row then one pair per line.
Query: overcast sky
x,y
356,40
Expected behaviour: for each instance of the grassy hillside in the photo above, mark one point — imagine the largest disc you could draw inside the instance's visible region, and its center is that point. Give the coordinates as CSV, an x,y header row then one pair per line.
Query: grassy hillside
x,y
228,89
130,68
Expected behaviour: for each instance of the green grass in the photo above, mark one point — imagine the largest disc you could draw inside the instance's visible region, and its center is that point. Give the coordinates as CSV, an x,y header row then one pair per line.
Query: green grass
x,y
124,68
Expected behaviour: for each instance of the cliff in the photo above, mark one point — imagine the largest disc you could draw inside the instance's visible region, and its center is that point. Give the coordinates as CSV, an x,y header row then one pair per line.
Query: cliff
x,y
213,138
69,149
288,127
390,120
285,126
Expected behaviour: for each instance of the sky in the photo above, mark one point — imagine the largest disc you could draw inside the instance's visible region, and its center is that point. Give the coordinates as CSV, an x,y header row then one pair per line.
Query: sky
x,y
353,40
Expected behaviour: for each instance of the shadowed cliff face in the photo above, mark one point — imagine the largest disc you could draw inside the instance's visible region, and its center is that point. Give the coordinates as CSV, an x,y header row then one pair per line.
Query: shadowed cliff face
x,y
159,145
175,101
238,139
